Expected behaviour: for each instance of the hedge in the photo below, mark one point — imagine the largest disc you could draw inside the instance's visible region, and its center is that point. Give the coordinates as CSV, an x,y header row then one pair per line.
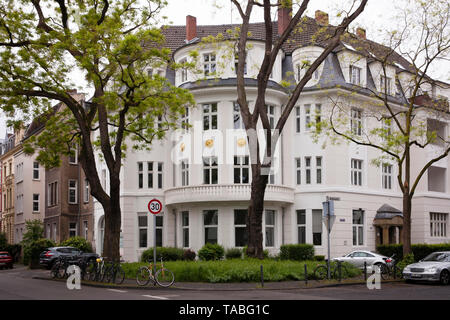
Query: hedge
x,y
298,252
77,242
166,253
420,251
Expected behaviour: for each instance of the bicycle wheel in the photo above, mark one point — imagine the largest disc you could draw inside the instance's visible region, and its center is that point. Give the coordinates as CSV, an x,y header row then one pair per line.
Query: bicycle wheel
x,y
91,270
143,276
385,273
108,274
344,272
54,270
164,277
321,272
119,276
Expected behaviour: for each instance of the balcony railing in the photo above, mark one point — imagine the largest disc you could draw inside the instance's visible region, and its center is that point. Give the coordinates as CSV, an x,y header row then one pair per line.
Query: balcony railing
x,y
226,192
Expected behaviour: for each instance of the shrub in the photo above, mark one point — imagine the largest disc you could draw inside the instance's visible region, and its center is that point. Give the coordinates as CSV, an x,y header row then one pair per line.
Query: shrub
x,y
420,251
3,241
77,242
319,258
211,252
166,253
33,249
299,252
265,252
189,255
233,253
408,259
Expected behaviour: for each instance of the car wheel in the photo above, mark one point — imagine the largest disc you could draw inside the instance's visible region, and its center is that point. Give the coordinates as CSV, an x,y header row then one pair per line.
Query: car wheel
x,y
445,277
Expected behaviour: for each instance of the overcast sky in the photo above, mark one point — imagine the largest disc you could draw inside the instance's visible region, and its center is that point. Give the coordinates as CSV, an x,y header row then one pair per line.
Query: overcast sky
x,y
377,18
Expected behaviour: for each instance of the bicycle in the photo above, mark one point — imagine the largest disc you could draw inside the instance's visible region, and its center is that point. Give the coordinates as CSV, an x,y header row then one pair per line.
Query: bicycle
x,y
389,269
163,277
337,271
59,268
95,270
114,273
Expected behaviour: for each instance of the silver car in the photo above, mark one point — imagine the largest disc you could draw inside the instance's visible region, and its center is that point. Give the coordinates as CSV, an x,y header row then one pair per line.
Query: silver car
x,y
434,267
358,257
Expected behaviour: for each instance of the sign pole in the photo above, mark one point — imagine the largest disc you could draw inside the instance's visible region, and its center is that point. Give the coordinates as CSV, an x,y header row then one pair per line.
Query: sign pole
x,y
154,244
154,207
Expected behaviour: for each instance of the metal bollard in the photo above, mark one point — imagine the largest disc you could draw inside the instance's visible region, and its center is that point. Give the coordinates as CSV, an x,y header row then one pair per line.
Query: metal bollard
x,y
262,276
365,271
340,270
306,275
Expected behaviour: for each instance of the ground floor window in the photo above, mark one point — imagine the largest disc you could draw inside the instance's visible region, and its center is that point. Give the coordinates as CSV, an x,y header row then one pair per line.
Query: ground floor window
x,y
185,227
358,227
438,224
159,230
210,222
72,229
240,227
301,226
317,227
270,228
143,229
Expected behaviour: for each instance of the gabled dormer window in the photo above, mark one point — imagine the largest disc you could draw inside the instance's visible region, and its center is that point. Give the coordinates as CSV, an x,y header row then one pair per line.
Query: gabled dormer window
x,y
236,60
385,85
355,75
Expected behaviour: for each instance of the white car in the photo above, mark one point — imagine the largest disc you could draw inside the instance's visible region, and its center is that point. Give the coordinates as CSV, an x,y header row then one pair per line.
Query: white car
x,y
358,257
434,267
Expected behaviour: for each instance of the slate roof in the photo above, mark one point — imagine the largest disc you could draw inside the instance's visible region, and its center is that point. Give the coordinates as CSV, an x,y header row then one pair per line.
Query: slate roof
x,y
387,212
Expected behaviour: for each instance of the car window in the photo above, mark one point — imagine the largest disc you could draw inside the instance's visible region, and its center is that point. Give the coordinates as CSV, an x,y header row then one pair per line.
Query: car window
x,y
62,250
437,256
358,254
368,255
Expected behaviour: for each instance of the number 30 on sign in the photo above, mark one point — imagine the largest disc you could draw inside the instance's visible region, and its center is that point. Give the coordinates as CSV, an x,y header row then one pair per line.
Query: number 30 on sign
x,y
154,206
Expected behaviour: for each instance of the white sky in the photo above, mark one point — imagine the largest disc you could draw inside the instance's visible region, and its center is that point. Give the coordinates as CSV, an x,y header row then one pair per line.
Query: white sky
x,y
377,18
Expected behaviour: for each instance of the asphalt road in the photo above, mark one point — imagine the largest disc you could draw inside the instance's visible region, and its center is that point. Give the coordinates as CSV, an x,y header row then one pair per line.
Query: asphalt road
x,y
18,284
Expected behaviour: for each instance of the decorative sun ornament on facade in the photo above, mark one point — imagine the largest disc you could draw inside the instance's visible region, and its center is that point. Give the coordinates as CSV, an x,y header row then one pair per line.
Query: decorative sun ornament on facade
x,y
241,142
182,147
209,143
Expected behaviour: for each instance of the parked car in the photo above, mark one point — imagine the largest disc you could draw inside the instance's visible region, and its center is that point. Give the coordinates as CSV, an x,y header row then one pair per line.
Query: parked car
x,y
358,257
6,260
49,256
434,267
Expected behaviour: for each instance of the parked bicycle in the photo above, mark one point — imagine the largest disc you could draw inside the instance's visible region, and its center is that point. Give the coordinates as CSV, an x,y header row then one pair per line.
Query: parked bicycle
x,y
95,270
338,270
389,269
59,268
163,277
113,273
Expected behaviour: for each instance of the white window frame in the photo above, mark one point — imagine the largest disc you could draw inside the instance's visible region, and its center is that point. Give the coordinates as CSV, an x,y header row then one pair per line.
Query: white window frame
x,y
438,224
185,229
72,188
52,192
140,170
315,212
241,163
209,64
142,227
73,229
358,228
298,171
319,171
210,164
185,120
270,226
355,75
85,229
36,170
86,191
301,225
206,226
386,85
75,156
159,217
238,122
308,175
150,167
183,71
386,175
307,117
210,113
236,60
160,175
270,109
356,172
238,226
184,173
356,121
36,201
298,120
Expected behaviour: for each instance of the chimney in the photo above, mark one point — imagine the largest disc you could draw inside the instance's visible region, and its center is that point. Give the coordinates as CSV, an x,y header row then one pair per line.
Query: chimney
x,y
284,17
361,33
191,28
322,18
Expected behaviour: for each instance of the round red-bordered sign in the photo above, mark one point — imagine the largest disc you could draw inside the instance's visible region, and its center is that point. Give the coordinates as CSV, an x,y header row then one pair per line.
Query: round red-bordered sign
x,y
154,206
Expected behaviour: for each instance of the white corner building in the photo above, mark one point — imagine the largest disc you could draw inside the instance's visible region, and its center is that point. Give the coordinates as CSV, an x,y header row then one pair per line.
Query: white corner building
x,y
202,175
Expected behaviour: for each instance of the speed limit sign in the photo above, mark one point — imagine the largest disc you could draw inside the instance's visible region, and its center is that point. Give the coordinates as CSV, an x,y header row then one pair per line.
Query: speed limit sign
x,y
154,206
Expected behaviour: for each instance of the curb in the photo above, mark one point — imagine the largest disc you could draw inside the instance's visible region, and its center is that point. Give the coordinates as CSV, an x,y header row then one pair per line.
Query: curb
x,y
175,287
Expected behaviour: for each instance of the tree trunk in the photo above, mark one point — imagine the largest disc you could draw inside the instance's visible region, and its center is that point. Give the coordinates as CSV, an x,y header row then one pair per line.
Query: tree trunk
x,y
113,221
255,214
406,224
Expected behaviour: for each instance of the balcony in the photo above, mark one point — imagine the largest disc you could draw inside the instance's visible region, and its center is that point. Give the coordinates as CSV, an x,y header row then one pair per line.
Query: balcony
x,y
227,192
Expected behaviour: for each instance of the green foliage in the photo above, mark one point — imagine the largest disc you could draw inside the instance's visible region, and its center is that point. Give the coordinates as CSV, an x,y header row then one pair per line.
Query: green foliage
x,y
238,270
211,252
299,252
233,253
166,253
79,243
189,255
419,251
34,231
33,249
265,253
3,241
409,259
319,258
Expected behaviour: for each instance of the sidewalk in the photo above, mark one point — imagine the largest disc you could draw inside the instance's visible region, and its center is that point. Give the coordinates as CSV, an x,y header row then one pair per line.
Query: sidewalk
x,y
202,286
